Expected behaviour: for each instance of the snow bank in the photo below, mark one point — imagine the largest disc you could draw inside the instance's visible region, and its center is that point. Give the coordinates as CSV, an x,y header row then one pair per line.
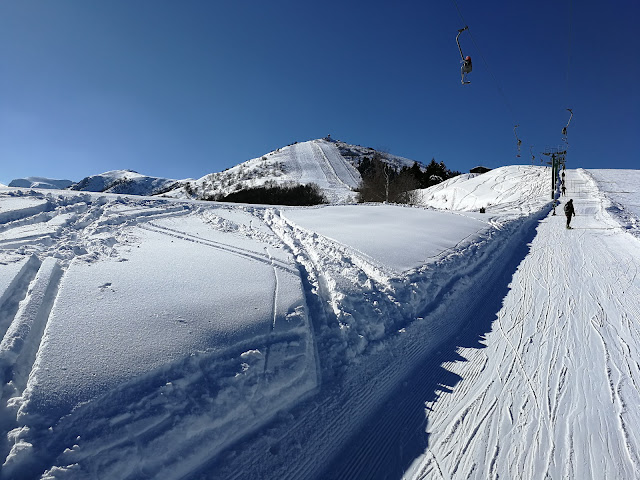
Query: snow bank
x,y
621,189
18,205
516,188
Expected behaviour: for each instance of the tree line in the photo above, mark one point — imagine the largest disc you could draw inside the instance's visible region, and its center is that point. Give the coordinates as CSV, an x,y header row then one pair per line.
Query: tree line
x,y
382,182
272,193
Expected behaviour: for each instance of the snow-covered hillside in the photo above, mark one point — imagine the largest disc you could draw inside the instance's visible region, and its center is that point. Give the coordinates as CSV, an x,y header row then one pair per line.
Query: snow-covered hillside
x,y
330,164
125,182
40,182
162,338
519,187
314,161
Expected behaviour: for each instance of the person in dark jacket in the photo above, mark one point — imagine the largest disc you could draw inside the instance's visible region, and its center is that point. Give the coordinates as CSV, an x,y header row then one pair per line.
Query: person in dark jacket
x,y
569,211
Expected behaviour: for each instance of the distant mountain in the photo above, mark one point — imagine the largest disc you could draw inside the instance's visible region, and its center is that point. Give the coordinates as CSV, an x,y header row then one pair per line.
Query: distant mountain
x,y
331,164
125,182
40,182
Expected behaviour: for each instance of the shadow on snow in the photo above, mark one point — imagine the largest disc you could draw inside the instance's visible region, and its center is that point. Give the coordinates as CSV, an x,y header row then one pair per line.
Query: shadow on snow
x,y
395,434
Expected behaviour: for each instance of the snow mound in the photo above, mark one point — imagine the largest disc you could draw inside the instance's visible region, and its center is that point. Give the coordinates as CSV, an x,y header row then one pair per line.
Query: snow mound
x,y
515,188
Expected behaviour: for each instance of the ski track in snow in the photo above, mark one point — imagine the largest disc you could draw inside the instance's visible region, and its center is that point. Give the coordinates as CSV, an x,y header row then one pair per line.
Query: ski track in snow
x,y
24,318
333,424
321,161
555,392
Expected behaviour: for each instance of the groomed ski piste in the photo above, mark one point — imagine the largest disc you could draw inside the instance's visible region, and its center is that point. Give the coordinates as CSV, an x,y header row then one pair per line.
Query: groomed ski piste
x,y
171,339
318,161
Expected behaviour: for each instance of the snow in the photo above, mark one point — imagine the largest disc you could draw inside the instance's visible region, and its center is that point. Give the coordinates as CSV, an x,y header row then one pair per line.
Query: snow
x,y
40,182
314,161
553,391
328,163
517,188
428,233
125,182
164,338
620,189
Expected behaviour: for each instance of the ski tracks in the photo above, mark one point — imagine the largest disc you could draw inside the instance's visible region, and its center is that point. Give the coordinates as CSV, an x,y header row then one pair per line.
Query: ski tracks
x,y
561,363
25,314
49,236
326,167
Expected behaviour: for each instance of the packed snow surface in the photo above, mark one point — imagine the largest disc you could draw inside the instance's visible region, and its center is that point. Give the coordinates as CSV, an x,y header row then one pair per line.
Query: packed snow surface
x,y
161,338
374,230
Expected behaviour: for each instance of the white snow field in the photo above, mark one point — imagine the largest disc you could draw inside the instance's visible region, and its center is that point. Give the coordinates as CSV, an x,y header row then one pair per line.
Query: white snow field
x,y
170,339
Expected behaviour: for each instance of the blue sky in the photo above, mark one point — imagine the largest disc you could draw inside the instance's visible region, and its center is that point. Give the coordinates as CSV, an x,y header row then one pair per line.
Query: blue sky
x,y
182,89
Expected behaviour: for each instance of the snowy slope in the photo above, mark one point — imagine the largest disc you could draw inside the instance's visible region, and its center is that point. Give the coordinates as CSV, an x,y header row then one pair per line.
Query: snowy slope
x,y
619,190
518,187
554,392
40,182
125,182
328,163
160,338
314,161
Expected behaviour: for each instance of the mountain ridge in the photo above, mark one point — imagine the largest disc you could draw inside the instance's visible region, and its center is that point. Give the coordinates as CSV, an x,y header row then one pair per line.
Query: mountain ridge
x,y
331,164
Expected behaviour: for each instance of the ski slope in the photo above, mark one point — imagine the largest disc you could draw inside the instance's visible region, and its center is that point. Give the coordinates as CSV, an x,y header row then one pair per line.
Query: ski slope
x,y
169,339
553,392
314,161
320,162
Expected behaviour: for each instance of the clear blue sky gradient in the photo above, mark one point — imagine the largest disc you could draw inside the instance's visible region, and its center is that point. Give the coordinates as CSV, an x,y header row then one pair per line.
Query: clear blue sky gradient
x,y
182,89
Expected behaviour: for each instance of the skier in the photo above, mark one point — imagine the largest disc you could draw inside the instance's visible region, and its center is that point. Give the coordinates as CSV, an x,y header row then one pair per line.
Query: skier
x,y
569,211
466,61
